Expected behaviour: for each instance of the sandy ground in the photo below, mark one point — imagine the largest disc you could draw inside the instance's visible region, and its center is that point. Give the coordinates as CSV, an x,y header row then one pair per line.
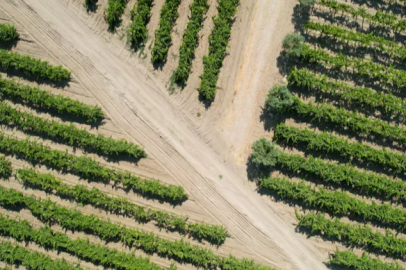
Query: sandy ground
x,y
192,151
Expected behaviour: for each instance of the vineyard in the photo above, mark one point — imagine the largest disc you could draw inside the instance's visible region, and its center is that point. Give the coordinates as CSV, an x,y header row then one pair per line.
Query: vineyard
x,y
336,156
70,186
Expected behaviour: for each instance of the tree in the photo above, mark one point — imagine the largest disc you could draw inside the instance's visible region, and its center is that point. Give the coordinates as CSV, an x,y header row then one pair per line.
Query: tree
x,y
292,44
264,153
279,99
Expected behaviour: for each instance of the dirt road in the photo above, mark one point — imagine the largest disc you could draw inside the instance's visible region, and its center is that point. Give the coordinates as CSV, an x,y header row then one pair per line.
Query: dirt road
x,y
139,104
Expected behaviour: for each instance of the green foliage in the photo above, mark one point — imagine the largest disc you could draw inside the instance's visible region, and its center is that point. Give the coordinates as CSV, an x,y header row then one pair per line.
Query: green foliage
x,y
292,44
8,33
219,38
83,249
387,76
163,39
5,168
387,104
89,169
138,32
307,3
264,153
45,101
384,19
353,262
346,176
50,212
346,120
32,66
335,202
328,143
368,41
68,133
190,40
354,235
279,99
32,260
114,11
95,197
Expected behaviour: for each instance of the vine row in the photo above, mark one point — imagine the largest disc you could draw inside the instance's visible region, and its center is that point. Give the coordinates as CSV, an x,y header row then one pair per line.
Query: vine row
x,y
5,168
388,76
113,12
387,103
81,248
370,41
215,234
347,120
68,133
219,38
361,236
32,66
328,143
58,105
350,260
33,260
363,183
163,38
190,40
68,219
8,33
89,169
138,32
335,202
386,19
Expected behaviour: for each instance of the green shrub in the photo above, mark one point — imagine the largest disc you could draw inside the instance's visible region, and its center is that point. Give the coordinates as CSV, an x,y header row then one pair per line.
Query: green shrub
x,y
279,99
292,44
264,153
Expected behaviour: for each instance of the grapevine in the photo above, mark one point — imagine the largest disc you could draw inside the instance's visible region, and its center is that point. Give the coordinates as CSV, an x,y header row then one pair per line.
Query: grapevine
x,y
88,168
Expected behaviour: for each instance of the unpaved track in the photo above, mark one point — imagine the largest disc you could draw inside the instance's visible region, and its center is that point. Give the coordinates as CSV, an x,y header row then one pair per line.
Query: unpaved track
x,y
139,105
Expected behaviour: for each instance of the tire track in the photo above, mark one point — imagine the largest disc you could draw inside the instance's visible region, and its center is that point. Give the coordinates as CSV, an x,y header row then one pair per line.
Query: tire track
x,y
144,113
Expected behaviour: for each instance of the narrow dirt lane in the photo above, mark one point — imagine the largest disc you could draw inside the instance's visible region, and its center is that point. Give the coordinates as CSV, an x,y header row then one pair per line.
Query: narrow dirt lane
x,y
138,104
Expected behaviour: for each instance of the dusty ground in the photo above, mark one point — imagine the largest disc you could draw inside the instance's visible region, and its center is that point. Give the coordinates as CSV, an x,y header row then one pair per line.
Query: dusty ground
x,y
205,154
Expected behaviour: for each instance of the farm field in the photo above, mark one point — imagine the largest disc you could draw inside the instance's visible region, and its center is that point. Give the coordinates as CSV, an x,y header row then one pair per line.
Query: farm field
x,y
129,130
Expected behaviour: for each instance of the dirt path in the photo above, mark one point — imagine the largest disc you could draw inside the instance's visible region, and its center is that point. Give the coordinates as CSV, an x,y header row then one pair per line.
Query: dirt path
x,y
139,105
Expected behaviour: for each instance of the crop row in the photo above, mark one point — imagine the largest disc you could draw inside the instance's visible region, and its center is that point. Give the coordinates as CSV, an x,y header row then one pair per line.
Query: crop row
x,y
138,32
95,197
389,20
88,169
44,100
355,235
388,76
335,202
81,248
349,260
181,251
163,38
32,66
8,33
344,175
114,11
370,41
68,133
190,40
219,38
33,260
328,143
347,120
5,168
387,103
